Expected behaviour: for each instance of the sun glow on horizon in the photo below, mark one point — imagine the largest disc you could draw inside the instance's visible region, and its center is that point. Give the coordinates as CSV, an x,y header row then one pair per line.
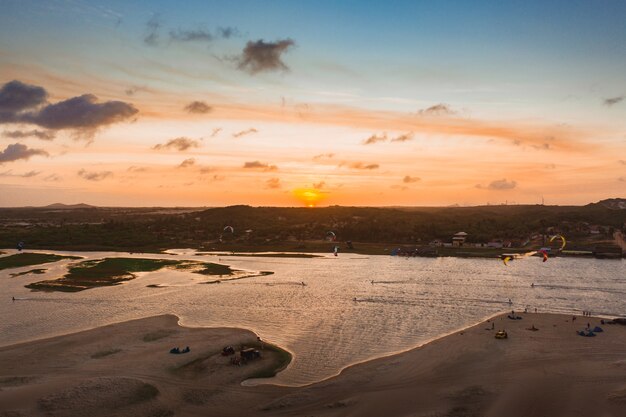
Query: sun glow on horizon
x,y
310,197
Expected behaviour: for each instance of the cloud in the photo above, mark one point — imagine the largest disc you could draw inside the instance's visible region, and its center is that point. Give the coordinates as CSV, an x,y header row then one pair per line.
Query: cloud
x,y
153,27
206,170
399,187
81,113
15,96
262,56
198,107
22,103
28,174
622,161
260,165
18,151
436,110
374,139
244,132
191,35
134,89
39,134
134,168
182,144
622,179
216,131
52,177
93,175
227,32
502,184
187,163
403,138
360,165
319,185
273,183
613,100
322,156
408,179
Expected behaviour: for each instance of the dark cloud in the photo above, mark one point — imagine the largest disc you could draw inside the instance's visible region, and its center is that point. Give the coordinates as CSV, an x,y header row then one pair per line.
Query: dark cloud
x,y
273,183
403,138
15,96
182,144
39,134
323,156
361,165
80,113
198,107
52,177
502,184
375,139
191,35
613,100
153,27
244,132
436,110
94,175
134,89
187,163
216,131
22,103
408,179
206,170
28,174
18,151
262,56
622,161
260,165
136,169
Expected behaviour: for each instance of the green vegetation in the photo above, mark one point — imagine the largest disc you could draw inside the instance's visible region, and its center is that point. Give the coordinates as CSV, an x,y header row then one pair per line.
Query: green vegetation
x,y
26,259
302,229
113,271
37,271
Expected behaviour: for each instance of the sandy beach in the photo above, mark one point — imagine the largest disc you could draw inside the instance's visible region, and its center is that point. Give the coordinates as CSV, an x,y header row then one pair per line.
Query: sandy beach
x,y
126,369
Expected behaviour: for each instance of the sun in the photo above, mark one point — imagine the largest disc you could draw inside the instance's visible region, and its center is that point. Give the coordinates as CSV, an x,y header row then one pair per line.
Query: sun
x,y
310,197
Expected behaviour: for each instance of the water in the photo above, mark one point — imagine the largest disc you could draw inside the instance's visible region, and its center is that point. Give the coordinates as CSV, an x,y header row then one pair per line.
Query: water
x,y
410,302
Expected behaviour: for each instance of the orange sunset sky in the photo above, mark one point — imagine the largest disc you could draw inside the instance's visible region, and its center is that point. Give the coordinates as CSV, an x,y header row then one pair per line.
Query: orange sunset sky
x,y
311,103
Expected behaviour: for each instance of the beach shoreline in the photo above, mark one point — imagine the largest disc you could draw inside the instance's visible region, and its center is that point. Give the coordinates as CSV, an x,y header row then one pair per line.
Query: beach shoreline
x,y
468,368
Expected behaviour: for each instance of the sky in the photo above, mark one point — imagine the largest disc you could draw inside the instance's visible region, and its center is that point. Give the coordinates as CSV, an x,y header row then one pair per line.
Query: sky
x,y
312,103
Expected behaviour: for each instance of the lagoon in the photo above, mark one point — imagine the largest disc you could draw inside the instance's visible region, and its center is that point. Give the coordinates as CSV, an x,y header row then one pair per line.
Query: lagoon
x,y
352,308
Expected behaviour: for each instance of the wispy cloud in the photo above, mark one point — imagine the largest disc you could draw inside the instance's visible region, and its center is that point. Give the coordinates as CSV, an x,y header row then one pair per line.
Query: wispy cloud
x,y
94,175
187,163
28,174
403,138
244,132
613,100
359,165
153,28
408,179
19,134
260,165
323,156
19,151
320,185
502,184
436,110
216,131
181,144
375,139
273,183
198,107
134,168
261,56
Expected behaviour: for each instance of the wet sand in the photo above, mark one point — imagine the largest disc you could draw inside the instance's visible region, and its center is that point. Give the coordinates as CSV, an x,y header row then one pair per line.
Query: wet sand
x,y
125,369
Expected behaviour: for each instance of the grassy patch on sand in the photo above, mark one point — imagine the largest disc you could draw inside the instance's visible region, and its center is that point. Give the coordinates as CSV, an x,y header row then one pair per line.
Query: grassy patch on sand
x,y
26,259
37,271
113,271
157,335
280,358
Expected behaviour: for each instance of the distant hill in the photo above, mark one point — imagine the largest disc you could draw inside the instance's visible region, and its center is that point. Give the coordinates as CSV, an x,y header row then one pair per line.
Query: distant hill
x,y
61,206
613,203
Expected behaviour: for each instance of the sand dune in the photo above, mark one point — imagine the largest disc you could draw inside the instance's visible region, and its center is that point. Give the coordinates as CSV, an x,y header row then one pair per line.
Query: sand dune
x,y
125,369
